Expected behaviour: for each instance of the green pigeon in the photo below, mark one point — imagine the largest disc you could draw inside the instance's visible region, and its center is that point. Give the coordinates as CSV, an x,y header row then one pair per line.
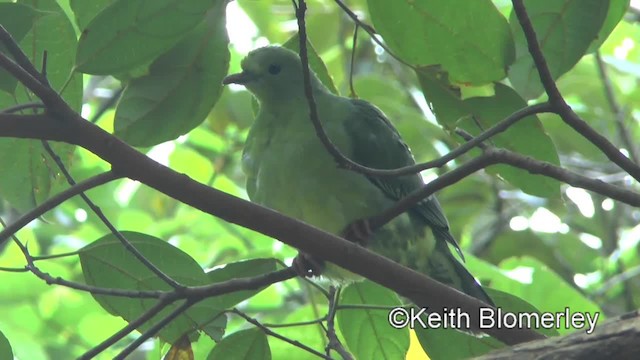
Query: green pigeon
x,y
289,170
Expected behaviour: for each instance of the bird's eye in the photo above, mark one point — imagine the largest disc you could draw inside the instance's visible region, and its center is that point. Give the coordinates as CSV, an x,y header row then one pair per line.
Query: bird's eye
x,y
274,69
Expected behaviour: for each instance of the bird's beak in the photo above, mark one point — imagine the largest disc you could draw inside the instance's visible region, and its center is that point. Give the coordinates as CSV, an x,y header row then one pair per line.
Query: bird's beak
x,y
239,78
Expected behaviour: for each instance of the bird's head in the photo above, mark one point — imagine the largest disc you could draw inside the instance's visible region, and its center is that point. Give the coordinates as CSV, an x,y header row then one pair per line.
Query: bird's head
x,y
272,72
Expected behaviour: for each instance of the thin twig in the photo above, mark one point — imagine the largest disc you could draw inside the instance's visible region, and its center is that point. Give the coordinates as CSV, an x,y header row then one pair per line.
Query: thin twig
x,y
367,307
16,270
24,71
20,57
54,256
103,218
295,324
269,332
372,33
126,330
133,294
334,342
153,330
354,44
106,105
618,112
43,72
618,279
55,201
17,108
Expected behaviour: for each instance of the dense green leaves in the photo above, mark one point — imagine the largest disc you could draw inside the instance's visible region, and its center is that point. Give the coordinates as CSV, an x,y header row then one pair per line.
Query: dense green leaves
x,y
470,39
180,89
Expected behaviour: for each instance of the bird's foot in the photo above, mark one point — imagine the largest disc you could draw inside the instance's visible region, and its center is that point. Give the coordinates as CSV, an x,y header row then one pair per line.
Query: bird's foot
x,y
306,265
358,232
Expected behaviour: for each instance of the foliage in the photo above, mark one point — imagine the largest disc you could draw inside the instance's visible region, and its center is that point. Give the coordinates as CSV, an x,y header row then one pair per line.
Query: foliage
x,y
151,73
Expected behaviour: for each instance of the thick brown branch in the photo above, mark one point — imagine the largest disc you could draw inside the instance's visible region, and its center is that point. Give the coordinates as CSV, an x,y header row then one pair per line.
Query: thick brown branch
x,y
128,162
615,339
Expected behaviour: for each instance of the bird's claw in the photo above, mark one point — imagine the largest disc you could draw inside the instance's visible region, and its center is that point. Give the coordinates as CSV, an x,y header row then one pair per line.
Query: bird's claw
x,y
306,265
358,232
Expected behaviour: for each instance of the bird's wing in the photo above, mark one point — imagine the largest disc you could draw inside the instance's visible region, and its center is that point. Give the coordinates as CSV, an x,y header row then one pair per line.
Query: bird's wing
x,y
376,143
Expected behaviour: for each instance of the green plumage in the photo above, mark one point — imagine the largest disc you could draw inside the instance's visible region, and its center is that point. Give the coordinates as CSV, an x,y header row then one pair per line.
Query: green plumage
x,y
289,170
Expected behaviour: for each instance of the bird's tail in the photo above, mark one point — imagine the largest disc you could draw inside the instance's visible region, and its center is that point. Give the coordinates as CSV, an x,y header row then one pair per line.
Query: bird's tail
x,y
448,270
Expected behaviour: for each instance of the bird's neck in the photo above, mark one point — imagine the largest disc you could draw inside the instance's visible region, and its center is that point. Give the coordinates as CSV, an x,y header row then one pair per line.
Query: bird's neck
x,y
286,103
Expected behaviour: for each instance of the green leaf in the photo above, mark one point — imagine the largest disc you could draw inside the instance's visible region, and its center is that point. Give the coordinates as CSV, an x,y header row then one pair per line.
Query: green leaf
x,y
60,45
470,39
511,303
248,344
84,11
447,343
5,347
565,29
241,269
130,33
17,19
216,328
367,332
312,335
107,264
526,137
617,9
34,175
181,88
443,97
315,62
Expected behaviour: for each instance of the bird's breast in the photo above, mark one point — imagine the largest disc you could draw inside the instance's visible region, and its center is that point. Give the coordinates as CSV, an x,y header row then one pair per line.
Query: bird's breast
x,y
293,173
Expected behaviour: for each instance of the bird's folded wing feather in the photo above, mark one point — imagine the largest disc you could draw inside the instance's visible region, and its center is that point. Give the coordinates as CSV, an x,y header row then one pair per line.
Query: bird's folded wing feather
x,y
376,143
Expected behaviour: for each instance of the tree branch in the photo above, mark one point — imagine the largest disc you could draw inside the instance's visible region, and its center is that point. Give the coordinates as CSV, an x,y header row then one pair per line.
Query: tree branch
x,y
615,339
560,105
